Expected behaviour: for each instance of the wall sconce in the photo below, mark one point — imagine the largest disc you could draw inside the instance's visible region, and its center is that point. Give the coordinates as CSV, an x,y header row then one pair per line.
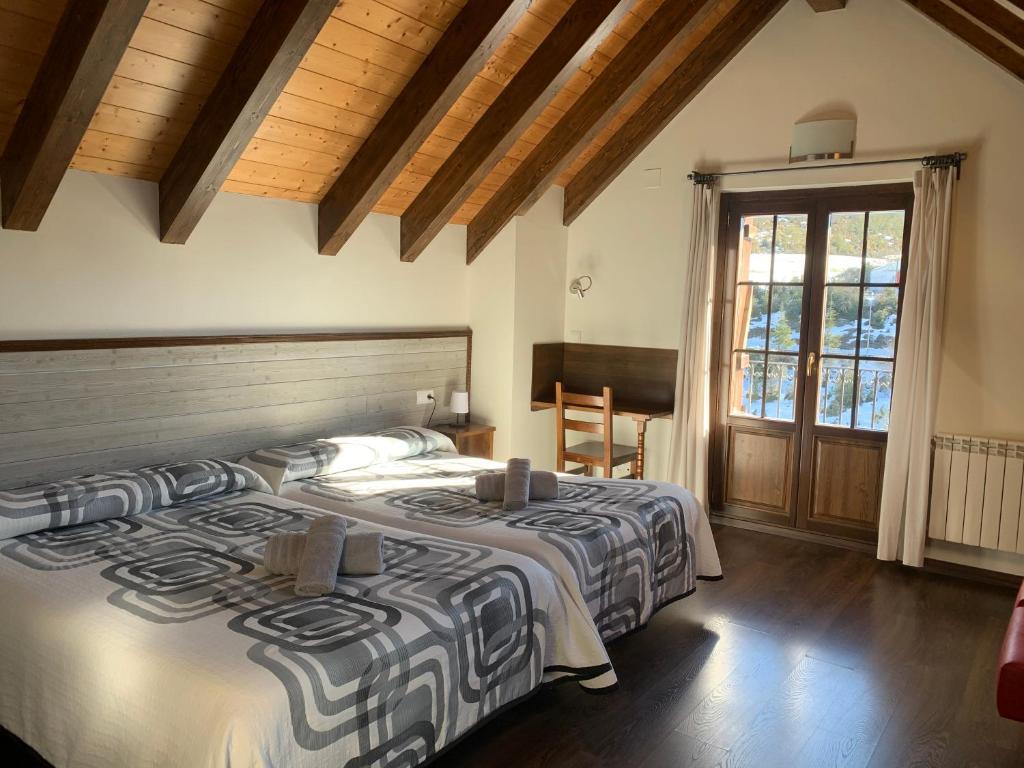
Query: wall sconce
x,y
823,140
581,285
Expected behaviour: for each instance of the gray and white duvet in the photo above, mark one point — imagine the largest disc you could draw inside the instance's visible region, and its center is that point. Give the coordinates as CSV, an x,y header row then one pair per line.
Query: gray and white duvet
x,y
158,639
620,548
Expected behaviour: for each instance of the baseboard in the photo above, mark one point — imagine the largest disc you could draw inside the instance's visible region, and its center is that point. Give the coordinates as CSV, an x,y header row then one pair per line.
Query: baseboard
x,y
792,533
971,572
931,565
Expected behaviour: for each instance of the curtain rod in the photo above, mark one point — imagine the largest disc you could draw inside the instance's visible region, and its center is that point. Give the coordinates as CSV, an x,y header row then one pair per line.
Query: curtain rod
x,y
928,161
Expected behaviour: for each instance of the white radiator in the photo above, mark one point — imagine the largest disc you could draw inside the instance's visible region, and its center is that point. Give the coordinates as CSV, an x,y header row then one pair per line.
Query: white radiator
x,y
976,492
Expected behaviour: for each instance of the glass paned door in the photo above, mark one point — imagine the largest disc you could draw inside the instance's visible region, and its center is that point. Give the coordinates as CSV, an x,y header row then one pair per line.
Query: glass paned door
x,y
765,301
861,318
771,260
808,307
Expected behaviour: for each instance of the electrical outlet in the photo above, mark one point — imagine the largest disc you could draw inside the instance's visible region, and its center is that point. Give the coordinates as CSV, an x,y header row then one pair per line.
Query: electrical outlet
x,y
423,396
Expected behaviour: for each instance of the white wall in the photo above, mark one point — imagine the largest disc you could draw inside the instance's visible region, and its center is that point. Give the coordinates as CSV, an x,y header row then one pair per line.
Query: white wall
x,y
96,267
541,290
517,295
492,285
915,90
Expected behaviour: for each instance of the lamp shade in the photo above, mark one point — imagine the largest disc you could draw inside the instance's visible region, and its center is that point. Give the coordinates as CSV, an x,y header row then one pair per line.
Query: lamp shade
x,y
823,140
459,402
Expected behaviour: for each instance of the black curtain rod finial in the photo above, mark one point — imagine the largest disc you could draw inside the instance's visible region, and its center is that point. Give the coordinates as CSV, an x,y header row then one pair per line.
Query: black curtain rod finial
x,y
945,161
930,161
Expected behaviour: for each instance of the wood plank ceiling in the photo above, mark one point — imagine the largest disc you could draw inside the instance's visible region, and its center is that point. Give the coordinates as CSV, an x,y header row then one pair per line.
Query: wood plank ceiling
x,y
365,55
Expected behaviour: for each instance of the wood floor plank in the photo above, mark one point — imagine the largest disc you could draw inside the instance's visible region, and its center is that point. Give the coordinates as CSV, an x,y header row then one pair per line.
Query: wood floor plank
x,y
804,656
790,716
681,751
722,716
849,730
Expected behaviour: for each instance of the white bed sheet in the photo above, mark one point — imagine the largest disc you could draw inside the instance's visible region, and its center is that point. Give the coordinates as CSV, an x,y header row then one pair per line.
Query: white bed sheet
x,y
653,529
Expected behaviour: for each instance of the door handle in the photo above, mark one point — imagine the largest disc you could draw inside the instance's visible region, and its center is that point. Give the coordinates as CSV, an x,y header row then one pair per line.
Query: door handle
x,y
811,362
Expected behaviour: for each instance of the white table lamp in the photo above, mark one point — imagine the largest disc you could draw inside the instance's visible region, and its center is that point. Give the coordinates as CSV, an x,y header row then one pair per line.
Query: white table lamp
x,y
459,405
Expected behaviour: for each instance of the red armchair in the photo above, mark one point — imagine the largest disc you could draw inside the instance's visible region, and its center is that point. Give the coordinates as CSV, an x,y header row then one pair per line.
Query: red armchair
x,y
1010,683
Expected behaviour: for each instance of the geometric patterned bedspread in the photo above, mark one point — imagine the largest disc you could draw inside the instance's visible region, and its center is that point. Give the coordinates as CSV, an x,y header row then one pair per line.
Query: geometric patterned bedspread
x,y
160,639
621,549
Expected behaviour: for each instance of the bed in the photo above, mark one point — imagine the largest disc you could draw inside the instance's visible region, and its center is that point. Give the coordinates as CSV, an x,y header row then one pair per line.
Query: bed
x,y
140,629
620,549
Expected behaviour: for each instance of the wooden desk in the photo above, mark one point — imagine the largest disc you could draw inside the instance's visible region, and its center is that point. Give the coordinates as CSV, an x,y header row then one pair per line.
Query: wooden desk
x,y
643,380
640,415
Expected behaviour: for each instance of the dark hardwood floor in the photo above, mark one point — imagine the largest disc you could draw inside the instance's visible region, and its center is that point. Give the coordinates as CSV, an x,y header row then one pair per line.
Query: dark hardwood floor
x,y
805,655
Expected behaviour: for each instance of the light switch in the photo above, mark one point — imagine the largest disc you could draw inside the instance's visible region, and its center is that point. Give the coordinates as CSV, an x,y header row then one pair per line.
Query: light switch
x,y
652,178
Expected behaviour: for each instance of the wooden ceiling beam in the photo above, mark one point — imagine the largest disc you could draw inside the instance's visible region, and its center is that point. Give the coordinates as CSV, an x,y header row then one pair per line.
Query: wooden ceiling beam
x,y
454,61
996,17
820,6
555,60
277,39
86,48
728,37
979,38
647,51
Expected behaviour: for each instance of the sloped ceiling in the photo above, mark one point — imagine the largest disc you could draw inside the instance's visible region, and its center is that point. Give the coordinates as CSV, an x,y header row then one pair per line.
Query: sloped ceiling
x,y
363,57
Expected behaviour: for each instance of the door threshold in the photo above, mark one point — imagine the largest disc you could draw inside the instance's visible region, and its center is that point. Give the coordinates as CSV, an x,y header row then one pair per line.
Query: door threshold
x,y
793,533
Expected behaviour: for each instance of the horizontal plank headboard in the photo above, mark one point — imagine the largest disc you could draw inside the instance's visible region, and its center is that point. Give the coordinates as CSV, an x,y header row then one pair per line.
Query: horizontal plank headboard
x,y
75,406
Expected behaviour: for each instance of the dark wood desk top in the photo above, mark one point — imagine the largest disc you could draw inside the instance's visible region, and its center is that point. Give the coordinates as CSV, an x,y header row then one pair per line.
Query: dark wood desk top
x,y
643,379
635,411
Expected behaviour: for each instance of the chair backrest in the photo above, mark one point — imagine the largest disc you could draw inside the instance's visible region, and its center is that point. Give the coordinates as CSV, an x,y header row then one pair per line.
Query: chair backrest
x,y
565,401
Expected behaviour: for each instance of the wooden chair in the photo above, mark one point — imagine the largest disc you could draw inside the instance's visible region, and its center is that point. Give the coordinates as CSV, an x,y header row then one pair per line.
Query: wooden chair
x,y
592,453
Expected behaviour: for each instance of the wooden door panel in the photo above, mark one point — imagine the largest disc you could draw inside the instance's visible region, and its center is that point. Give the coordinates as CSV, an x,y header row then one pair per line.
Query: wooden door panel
x,y
782,466
846,482
760,469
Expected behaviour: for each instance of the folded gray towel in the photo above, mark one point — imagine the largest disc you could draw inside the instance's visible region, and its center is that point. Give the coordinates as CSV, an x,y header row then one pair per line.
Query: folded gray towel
x,y
490,486
517,485
321,557
543,485
284,552
363,554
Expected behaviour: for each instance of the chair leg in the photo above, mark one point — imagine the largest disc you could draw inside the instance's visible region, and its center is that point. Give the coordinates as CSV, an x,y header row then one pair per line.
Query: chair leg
x,y
632,469
588,470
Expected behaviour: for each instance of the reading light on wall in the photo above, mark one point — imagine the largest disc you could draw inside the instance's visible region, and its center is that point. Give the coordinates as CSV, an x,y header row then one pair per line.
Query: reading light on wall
x,y
581,285
823,140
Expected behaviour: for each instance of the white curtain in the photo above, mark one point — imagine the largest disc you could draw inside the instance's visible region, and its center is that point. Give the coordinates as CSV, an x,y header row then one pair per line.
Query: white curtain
x,y
912,419
688,457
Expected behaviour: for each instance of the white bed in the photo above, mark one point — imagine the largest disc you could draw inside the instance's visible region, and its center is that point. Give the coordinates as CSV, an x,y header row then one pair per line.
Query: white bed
x,y
621,549
154,637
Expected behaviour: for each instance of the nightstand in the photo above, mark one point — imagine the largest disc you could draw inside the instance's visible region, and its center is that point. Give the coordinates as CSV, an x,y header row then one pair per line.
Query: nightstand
x,y
470,439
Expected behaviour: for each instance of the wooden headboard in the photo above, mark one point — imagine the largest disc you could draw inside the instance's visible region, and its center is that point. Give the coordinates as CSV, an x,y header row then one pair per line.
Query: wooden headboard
x,y
75,406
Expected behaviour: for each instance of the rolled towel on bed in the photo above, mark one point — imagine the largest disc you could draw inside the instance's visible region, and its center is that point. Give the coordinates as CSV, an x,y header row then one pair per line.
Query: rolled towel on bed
x,y
517,485
284,552
543,485
363,554
490,486
321,557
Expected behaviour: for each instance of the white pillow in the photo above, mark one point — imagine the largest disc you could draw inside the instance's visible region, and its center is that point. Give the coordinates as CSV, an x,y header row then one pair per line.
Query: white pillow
x,y
341,454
